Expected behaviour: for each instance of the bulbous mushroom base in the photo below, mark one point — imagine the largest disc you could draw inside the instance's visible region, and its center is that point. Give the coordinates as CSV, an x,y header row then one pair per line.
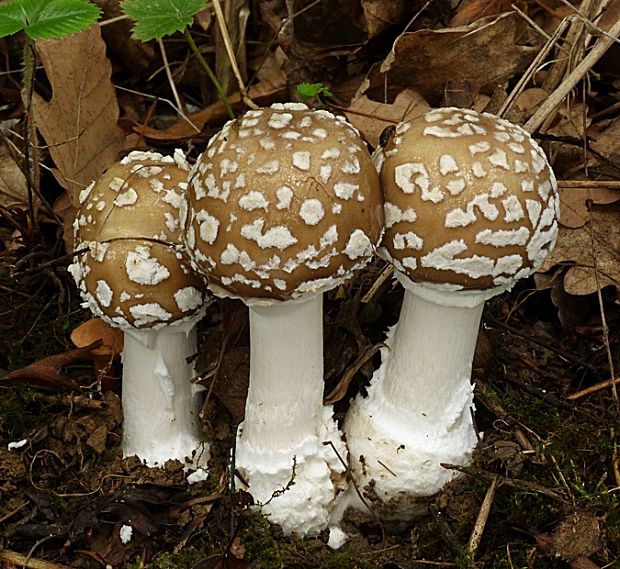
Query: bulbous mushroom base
x,y
297,488
396,458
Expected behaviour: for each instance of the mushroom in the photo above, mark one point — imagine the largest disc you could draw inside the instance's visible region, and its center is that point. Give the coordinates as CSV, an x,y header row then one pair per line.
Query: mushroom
x,y
471,207
133,274
285,204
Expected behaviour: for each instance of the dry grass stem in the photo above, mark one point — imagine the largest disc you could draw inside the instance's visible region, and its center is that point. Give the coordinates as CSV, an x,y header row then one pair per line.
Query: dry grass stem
x,y
221,22
590,184
385,274
155,97
173,87
555,98
534,66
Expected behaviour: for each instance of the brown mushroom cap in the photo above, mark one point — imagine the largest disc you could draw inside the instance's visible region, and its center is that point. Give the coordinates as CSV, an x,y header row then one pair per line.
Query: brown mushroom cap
x,y
470,200
135,274
284,202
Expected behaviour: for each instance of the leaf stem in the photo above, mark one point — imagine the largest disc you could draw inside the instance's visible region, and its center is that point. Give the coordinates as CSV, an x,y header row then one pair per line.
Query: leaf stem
x,y
31,164
205,65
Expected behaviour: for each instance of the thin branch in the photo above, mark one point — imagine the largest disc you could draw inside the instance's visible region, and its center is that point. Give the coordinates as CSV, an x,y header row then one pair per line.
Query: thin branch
x,y
17,559
481,519
555,98
593,389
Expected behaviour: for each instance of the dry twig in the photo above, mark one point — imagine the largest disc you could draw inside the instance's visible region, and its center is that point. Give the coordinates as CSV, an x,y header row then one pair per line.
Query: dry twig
x,y
481,519
593,389
555,98
12,558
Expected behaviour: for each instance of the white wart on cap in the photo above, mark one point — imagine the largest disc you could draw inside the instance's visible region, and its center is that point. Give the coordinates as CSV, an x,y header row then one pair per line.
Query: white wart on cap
x,y
470,201
284,202
134,273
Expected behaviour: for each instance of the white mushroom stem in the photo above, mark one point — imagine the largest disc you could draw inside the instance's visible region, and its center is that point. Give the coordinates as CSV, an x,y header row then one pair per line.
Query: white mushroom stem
x,y
430,358
280,445
160,402
418,413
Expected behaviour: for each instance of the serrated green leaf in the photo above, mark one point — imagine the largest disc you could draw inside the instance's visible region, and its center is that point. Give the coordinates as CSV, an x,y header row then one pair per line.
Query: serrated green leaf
x,y
45,19
32,9
61,18
12,19
158,18
309,90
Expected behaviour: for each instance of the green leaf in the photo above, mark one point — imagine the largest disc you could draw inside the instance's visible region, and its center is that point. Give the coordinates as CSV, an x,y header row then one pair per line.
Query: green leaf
x,y
309,90
32,8
45,19
12,19
61,18
158,18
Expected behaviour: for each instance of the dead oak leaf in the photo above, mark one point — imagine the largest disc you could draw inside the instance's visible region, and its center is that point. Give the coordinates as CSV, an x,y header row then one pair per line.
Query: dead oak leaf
x,y
79,123
573,203
371,117
486,53
13,187
595,244
48,373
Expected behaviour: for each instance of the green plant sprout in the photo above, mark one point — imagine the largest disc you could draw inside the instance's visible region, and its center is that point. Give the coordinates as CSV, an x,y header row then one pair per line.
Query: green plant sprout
x,y
155,19
306,91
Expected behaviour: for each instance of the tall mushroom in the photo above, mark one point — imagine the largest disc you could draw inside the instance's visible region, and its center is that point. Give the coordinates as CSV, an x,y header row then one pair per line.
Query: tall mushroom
x,y
470,208
284,205
134,275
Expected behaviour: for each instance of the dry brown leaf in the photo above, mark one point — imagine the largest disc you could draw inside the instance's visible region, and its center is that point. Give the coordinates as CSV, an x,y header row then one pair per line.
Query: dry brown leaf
x,y
112,339
570,121
573,203
268,91
484,54
526,104
608,141
48,373
572,310
582,247
469,12
372,118
329,27
13,186
79,123
232,385
380,15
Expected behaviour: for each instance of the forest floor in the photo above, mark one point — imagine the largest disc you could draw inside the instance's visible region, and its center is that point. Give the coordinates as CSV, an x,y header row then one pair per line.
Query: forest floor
x,y
544,488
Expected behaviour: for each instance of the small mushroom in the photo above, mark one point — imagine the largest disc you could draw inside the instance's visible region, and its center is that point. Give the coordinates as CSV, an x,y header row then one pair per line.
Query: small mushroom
x,y
133,274
471,207
284,205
